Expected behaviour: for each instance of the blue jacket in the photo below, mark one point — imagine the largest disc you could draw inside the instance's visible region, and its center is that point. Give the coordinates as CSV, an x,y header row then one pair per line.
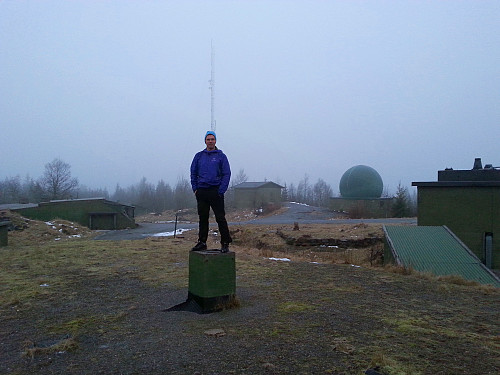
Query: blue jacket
x,y
209,169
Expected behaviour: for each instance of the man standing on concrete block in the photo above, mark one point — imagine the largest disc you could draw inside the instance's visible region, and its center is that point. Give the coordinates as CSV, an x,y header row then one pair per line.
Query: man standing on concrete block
x,y
210,175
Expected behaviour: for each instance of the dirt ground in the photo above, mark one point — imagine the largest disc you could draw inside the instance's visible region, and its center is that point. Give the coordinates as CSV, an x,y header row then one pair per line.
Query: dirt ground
x,y
76,306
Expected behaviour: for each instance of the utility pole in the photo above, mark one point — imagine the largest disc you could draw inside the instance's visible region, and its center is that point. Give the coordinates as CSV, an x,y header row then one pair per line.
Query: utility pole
x,y
212,88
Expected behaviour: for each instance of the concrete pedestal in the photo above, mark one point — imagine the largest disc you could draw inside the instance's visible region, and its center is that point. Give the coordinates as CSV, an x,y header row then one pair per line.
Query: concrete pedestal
x,y
212,282
212,279
4,230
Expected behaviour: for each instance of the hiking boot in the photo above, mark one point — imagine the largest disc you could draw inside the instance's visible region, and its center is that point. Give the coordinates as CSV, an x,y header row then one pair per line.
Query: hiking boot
x,y
200,246
224,248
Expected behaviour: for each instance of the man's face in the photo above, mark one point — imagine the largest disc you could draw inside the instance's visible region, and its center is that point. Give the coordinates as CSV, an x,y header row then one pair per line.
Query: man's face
x,y
210,142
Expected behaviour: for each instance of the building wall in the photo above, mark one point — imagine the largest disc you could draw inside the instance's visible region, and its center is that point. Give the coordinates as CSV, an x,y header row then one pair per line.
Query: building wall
x,y
79,211
4,233
366,208
469,212
256,198
245,198
106,221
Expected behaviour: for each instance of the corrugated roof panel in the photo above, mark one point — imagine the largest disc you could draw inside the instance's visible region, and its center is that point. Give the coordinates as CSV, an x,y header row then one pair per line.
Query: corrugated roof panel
x,y
435,249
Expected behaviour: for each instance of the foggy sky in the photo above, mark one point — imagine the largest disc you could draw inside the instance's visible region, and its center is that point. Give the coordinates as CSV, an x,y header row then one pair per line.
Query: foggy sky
x,y
119,89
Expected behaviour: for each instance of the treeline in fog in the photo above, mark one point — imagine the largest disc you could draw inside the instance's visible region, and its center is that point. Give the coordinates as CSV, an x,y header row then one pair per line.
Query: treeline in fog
x,y
56,182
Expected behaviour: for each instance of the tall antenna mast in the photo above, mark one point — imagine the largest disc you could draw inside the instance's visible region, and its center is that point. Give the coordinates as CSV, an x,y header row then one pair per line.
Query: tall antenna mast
x,y
212,88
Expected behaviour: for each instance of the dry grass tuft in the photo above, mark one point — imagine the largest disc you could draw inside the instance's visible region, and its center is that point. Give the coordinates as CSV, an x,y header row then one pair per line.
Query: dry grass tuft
x,y
233,303
388,365
400,270
457,280
65,345
446,280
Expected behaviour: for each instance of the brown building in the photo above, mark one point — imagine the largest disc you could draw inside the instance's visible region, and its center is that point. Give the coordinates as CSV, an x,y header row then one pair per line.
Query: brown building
x,y
256,194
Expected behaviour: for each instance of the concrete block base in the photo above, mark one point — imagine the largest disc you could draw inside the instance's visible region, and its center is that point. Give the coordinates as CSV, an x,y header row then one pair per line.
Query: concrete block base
x,y
4,230
212,282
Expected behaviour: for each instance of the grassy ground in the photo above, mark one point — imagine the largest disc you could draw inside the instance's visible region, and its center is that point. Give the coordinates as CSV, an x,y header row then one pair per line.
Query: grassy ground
x,y
78,306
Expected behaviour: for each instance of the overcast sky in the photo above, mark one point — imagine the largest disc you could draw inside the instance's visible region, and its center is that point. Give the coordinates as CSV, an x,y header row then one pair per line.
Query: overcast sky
x,y
119,89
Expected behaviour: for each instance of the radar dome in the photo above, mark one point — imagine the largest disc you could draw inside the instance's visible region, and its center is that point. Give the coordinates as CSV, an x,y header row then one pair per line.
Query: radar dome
x,y
361,181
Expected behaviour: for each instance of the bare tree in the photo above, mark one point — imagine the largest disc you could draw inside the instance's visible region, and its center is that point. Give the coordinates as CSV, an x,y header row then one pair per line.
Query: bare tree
x,y
321,193
57,181
239,178
183,195
304,193
87,192
235,180
10,190
292,193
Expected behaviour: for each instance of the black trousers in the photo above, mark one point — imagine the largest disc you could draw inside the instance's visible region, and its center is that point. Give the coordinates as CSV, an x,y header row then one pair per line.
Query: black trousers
x,y
205,199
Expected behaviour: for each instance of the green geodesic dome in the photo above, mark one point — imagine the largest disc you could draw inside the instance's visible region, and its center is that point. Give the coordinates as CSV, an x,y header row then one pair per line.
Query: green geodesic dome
x,y
361,181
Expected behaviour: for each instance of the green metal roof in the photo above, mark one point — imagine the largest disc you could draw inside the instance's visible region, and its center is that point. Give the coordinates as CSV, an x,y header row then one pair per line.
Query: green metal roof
x,y
437,250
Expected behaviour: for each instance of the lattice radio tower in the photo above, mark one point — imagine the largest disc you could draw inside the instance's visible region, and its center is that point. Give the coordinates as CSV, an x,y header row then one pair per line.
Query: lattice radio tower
x,y
212,88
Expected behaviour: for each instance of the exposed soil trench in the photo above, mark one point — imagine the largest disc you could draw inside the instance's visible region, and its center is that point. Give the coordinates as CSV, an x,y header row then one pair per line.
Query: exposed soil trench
x,y
344,243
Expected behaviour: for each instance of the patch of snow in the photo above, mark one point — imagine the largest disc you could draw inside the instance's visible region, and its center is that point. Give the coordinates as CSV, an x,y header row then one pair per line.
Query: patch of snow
x,y
280,259
302,204
168,234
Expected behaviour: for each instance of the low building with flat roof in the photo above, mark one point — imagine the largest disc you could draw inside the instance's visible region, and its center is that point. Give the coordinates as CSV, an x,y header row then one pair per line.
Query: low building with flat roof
x,y
95,213
257,194
468,203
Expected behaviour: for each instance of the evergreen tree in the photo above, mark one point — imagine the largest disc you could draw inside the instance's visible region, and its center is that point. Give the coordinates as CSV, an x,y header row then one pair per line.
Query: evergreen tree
x,y
164,197
183,195
401,204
